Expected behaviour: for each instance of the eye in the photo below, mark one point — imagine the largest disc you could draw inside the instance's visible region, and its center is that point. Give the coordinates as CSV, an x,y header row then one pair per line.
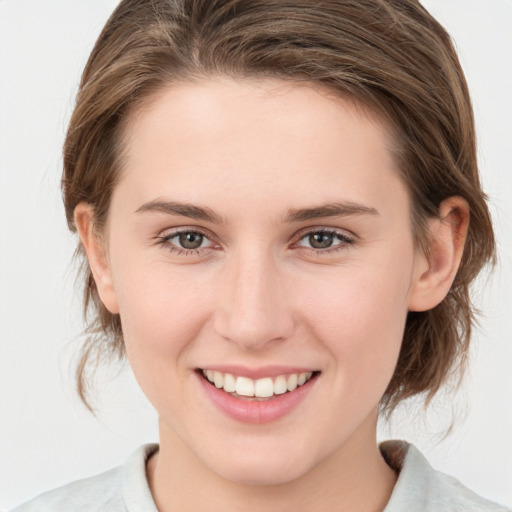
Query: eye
x,y
190,239
323,239
320,240
185,241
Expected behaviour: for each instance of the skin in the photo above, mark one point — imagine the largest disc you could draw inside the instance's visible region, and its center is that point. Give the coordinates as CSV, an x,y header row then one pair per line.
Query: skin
x,y
256,293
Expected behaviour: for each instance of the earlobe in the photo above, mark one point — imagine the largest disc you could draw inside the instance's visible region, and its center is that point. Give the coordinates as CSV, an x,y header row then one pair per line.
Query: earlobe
x,y
96,255
434,274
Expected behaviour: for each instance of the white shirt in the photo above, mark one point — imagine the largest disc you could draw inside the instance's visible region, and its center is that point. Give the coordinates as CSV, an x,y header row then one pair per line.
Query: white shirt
x,y
125,489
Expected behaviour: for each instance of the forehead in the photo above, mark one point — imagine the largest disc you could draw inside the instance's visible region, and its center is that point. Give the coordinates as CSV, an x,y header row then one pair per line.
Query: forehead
x,y
258,139
220,105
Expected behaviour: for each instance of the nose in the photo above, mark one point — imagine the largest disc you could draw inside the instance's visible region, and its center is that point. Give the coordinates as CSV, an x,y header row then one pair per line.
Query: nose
x,y
253,304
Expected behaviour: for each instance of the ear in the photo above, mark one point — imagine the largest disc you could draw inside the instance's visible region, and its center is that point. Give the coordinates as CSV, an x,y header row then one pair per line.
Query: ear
x,y
96,255
434,274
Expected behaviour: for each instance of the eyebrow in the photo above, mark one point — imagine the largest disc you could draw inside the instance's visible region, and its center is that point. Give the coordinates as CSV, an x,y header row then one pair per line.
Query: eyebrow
x,y
338,209
185,210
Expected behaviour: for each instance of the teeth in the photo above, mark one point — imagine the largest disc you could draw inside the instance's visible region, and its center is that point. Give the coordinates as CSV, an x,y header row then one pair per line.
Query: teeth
x,y
229,383
244,386
261,388
280,385
218,379
292,381
264,388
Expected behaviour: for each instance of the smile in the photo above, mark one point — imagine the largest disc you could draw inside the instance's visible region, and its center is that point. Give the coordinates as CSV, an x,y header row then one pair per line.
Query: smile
x,y
267,387
269,394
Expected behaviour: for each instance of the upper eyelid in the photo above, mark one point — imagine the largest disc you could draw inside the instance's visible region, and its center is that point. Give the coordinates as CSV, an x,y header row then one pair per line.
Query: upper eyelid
x,y
296,237
324,229
164,237
299,233
170,232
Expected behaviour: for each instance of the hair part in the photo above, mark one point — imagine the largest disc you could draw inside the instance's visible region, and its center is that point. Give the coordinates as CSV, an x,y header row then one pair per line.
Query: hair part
x,y
389,56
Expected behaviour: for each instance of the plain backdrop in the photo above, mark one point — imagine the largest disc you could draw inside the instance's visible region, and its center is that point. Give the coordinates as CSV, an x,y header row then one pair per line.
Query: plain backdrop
x,y
47,437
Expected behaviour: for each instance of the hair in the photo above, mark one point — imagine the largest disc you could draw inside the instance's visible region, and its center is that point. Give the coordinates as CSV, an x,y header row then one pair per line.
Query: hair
x,y
389,56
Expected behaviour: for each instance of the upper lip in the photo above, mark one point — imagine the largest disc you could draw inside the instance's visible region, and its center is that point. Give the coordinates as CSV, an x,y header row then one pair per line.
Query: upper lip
x,y
259,372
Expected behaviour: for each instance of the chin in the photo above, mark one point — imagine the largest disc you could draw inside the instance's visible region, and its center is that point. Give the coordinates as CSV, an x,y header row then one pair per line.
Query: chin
x,y
262,475
263,467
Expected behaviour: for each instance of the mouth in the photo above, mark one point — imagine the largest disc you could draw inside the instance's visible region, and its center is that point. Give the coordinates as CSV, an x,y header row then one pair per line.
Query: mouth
x,y
261,389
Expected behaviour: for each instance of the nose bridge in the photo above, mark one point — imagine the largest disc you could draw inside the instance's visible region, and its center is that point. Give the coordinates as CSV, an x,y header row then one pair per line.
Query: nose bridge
x,y
253,309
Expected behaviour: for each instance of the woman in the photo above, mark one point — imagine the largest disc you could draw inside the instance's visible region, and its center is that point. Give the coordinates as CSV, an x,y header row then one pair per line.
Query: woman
x,y
281,213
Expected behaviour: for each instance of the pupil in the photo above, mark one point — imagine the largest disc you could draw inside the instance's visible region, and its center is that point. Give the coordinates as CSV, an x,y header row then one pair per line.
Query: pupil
x,y
320,240
191,240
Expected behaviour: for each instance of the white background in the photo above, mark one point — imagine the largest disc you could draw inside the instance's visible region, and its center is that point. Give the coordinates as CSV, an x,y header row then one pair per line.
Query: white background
x,y
47,438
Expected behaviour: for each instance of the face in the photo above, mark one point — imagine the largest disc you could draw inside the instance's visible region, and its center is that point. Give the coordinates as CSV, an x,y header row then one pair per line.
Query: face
x,y
259,237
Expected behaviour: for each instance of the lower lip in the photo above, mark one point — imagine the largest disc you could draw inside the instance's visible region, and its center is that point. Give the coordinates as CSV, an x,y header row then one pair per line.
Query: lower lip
x,y
254,411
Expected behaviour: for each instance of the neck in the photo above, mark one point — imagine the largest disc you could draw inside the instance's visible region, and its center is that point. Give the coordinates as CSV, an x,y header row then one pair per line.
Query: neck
x,y
354,478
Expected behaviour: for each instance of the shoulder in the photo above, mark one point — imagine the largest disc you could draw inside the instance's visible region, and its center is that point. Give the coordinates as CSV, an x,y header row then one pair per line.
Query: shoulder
x,y
421,487
121,489
100,492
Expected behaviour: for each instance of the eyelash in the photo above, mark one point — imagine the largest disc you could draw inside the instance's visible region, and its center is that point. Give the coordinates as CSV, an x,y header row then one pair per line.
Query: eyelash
x,y
165,241
345,241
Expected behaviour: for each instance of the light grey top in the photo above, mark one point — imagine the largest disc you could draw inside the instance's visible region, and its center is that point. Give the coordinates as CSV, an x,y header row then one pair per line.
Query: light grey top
x,y
125,489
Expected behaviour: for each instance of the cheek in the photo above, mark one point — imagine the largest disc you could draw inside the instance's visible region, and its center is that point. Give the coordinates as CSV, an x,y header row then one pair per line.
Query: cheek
x,y
162,311
161,315
360,319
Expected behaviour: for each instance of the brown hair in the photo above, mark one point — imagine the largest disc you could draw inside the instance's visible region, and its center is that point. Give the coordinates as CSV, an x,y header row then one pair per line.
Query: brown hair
x,y
388,55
